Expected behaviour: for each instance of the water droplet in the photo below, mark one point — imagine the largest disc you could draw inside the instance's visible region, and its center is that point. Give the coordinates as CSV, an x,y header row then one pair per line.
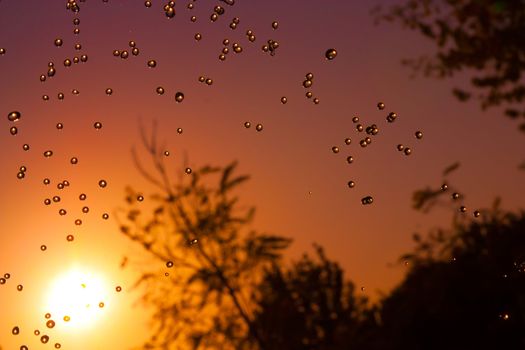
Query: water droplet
x,y
407,151
351,184
335,149
15,330
97,125
2,51
179,130
42,78
78,47
135,51
102,183
160,90
60,95
284,100
259,127
169,264
247,125
19,287
78,222
105,216
330,54
36,332
188,170
477,213
116,53
13,130
179,97
367,200
67,62
307,83
152,63
275,25
44,339
20,175
50,324
444,187
70,238
455,196
209,81
82,196
57,345
43,247
309,94
118,289
14,116
198,36
85,210
101,305
462,209
391,117
147,3
348,141
349,159
380,106
51,72
45,97
67,318
140,198
170,12
363,143
419,135
62,212
109,91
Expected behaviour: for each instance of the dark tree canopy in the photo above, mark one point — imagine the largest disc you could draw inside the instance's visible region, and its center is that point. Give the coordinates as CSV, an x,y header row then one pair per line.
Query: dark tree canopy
x,y
485,37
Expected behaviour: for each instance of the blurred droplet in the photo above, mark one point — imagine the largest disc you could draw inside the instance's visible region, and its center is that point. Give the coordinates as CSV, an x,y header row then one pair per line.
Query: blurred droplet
x,y
67,318
275,25
462,209
330,54
48,153
19,287
455,195
316,100
43,247
50,324
70,238
118,289
44,339
380,106
152,63
105,216
349,159
169,264
15,330
476,213
13,130
179,130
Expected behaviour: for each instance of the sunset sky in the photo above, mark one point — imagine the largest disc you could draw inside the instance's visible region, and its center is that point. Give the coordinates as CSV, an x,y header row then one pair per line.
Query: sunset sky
x,y
298,184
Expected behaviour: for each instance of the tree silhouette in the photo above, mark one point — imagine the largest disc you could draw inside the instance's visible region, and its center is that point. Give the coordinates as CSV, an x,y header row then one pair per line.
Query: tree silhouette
x,y
196,235
487,37
310,306
465,288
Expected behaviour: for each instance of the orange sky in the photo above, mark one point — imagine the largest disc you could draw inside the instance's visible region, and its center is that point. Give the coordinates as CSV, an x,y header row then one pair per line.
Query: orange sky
x,y
291,157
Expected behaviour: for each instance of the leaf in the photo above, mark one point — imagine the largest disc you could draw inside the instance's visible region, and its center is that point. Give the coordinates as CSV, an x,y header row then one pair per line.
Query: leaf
x,y
451,168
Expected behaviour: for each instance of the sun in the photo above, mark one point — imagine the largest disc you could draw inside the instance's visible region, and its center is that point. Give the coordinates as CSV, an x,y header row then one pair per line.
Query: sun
x,y
76,299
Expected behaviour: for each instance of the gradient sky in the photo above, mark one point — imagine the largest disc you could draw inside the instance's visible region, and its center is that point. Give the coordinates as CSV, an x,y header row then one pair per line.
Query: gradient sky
x,y
289,159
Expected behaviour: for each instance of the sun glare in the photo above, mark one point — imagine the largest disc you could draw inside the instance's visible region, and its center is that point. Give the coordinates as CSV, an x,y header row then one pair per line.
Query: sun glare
x,y
76,299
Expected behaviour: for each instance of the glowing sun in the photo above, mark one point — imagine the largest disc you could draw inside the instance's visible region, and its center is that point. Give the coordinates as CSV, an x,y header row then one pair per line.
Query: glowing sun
x,y
77,298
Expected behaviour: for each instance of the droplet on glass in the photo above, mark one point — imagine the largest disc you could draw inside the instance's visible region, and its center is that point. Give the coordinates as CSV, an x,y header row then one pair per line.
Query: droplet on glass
x,y
179,130
44,339
307,83
147,3
188,171
152,63
284,100
118,289
330,54
179,97
351,184
316,100
380,106
455,195
70,238
67,62
169,264
82,197
462,209
444,187
14,116
407,151
476,213
275,25
13,130
335,149
19,287
124,54
247,125
78,222
367,200
160,90
259,127
43,247
135,51
348,141
349,159
15,330
67,318
109,91
97,125
419,135
48,153
198,36
60,95
105,216
102,183
50,324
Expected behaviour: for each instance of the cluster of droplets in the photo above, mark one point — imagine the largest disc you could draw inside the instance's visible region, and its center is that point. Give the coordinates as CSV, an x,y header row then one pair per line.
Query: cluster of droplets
x,y
259,127
124,53
308,82
457,197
